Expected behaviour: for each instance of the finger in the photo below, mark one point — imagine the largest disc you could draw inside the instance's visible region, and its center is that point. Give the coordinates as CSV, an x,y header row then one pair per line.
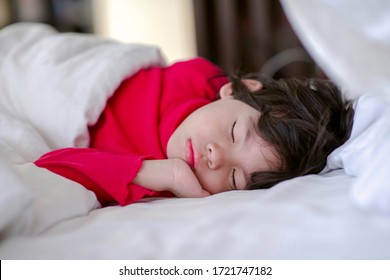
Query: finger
x,y
205,193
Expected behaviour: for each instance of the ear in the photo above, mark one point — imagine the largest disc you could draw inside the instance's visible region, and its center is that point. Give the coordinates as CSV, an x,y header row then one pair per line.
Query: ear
x,y
252,85
226,90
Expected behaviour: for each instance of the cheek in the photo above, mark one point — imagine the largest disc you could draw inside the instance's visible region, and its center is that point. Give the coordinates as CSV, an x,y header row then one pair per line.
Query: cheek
x,y
212,181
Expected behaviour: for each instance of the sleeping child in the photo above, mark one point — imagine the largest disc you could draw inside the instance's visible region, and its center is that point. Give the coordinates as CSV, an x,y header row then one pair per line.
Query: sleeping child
x,y
187,130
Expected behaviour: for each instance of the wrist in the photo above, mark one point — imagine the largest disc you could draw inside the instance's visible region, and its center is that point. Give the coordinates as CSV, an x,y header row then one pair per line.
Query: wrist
x,y
157,175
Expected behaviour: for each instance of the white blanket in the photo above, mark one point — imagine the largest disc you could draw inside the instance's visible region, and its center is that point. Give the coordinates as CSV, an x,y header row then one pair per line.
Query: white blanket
x,y
58,83
47,100
52,87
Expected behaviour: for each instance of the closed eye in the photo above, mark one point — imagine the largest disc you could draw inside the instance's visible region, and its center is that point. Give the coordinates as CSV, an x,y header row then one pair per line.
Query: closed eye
x,y
232,132
234,179
234,186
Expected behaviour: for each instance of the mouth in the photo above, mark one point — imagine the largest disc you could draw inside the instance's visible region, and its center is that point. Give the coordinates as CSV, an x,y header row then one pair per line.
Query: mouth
x,y
189,154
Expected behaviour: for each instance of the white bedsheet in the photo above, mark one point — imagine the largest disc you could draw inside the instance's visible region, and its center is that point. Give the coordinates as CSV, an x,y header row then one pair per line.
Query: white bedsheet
x,y
44,216
306,218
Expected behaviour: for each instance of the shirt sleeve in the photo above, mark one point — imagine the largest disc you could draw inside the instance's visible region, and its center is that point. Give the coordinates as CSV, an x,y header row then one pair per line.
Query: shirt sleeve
x,y
108,175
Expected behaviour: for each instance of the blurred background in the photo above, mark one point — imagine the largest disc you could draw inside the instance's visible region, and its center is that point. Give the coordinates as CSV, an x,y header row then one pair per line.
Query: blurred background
x,y
237,35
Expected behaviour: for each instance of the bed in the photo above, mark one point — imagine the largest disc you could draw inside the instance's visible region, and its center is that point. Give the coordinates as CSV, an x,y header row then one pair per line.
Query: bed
x,y
342,213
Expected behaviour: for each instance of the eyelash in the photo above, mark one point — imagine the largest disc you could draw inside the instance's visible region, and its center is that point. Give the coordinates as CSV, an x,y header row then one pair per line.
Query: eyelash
x,y
233,179
232,131
234,170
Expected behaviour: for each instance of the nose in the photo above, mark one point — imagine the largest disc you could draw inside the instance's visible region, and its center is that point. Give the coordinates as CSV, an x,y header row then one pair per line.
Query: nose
x,y
215,156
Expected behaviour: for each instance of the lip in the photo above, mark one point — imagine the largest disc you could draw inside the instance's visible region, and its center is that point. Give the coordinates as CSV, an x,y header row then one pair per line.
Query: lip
x,y
189,153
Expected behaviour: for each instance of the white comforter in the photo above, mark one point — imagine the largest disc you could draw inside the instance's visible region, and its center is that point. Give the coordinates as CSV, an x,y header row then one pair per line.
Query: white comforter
x,y
47,100
52,87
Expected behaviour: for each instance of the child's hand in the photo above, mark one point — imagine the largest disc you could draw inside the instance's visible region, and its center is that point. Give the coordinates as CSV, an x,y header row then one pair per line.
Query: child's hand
x,y
173,175
185,183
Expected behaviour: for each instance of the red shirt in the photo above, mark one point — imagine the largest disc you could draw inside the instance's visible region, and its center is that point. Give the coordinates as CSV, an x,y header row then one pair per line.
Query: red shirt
x,y
136,123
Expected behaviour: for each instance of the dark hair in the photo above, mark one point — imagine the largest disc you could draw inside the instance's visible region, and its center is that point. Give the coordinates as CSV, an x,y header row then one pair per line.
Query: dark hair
x,y
302,120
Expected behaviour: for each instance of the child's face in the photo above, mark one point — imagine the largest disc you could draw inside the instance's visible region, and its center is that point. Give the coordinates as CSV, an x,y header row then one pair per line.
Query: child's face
x,y
220,143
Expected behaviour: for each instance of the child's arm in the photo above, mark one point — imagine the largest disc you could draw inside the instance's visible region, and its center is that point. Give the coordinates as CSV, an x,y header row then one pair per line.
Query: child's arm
x,y
173,175
122,178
